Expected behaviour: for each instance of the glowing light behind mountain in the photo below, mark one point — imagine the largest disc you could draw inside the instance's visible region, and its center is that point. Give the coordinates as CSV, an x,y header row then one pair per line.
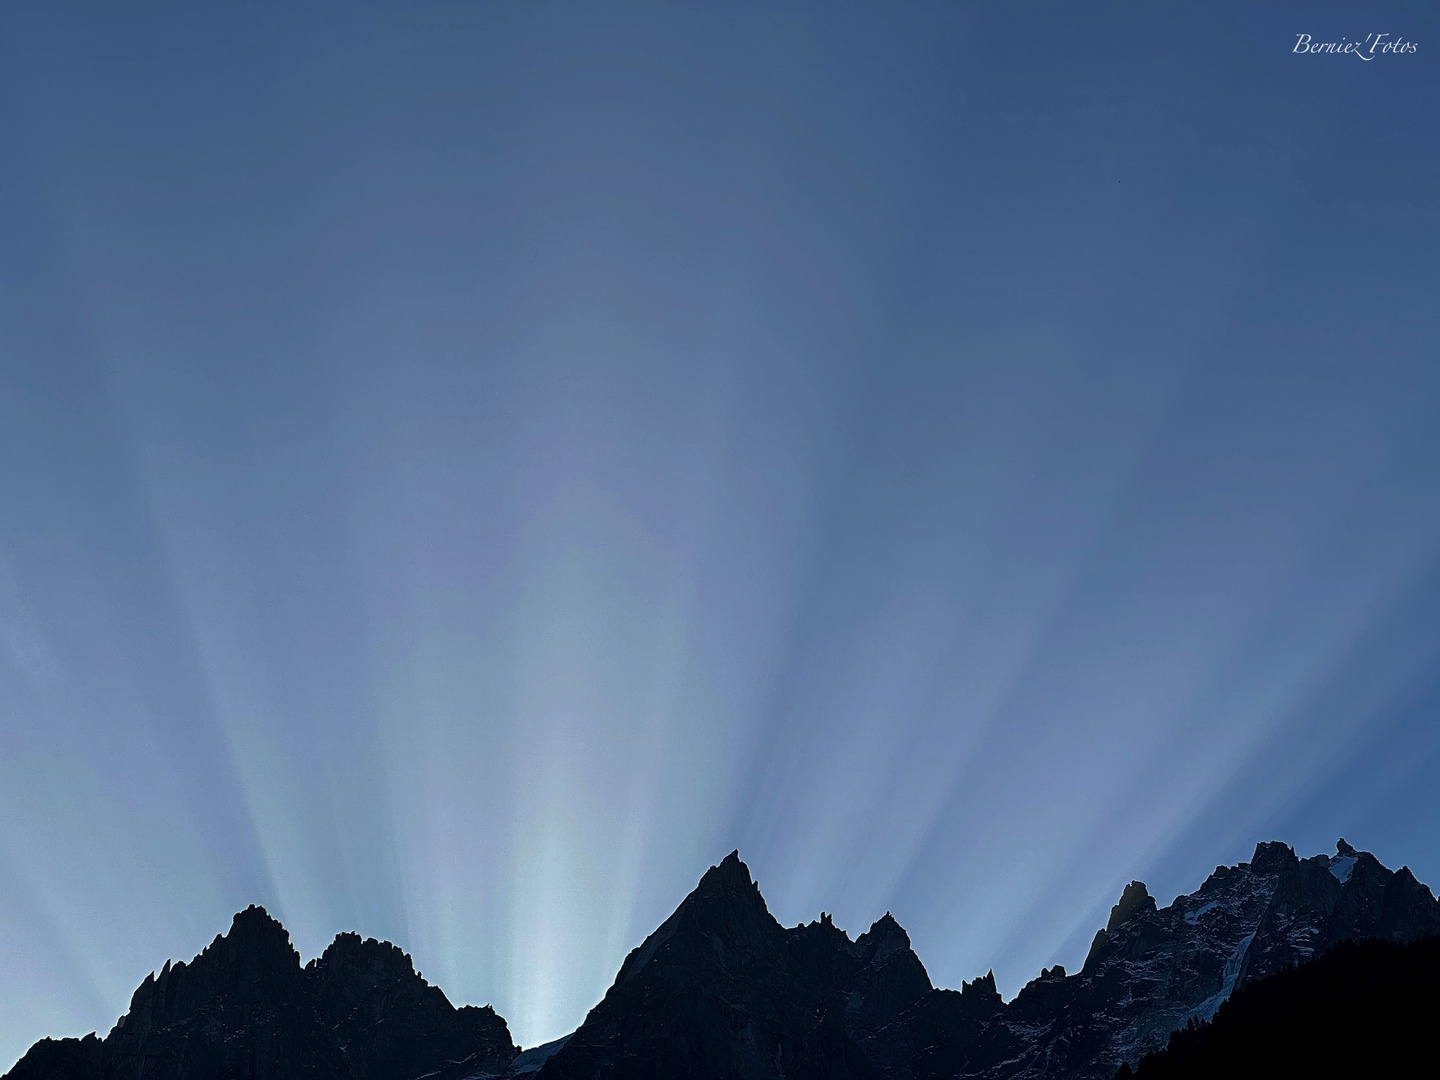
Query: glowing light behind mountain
x,y
464,471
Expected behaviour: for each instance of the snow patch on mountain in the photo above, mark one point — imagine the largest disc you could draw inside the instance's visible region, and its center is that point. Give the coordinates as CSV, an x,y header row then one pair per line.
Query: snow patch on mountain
x,y
1206,1009
1193,917
1341,867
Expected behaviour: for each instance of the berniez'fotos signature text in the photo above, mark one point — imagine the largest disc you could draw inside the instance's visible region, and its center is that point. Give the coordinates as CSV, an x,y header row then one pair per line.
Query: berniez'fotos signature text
x,y
1374,45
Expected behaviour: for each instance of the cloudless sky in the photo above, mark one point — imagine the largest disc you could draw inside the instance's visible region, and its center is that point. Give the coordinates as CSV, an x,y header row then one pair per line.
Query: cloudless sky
x,y
466,467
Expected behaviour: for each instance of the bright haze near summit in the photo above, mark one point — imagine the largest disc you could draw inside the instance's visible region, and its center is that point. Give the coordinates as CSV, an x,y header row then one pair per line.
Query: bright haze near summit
x,y
465,468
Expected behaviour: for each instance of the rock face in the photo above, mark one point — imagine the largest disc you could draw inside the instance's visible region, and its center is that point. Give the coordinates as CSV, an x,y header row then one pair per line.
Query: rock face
x,y
245,1009
1153,969
1304,1021
393,1023
721,989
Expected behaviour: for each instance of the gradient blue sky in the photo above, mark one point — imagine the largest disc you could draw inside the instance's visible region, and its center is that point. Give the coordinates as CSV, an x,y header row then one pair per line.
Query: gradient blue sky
x,y
466,467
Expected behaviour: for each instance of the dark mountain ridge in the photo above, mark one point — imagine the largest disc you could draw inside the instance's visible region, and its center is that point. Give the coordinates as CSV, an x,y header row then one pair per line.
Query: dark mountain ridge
x,y
245,1009
735,994
721,989
1364,1008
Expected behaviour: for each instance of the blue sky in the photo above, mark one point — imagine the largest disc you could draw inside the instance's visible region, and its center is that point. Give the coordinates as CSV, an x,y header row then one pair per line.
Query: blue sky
x,y
464,469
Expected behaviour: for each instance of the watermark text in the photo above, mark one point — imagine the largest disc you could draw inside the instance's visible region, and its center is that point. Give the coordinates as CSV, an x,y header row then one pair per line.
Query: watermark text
x,y
1374,45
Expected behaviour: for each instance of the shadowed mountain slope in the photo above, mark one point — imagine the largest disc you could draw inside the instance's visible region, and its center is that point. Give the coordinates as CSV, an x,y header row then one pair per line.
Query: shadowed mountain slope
x,y
1364,1008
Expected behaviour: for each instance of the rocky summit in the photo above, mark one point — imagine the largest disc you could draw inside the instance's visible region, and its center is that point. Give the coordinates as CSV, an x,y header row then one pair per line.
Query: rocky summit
x,y
721,989
245,1009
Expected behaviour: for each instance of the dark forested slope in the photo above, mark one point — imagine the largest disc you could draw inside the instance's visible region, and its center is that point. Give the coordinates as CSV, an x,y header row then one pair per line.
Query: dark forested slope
x,y
1364,1008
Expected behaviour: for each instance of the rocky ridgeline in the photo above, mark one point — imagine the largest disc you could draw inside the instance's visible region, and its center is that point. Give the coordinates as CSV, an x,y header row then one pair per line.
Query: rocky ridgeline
x,y
721,989
245,1009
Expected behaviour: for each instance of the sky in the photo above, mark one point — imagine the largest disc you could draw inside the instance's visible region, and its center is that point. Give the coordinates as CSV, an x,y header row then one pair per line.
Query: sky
x,y
464,468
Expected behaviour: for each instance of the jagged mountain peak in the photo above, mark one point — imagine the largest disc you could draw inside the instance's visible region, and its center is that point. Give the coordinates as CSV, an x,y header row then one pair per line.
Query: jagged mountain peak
x,y
982,986
1134,899
255,919
726,884
725,907
884,938
1272,856
721,989
727,901
244,1007
257,945
254,928
364,959
729,875
254,960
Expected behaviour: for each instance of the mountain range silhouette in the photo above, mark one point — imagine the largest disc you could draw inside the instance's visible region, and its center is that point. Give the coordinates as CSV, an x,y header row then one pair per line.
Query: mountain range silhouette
x,y
722,990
